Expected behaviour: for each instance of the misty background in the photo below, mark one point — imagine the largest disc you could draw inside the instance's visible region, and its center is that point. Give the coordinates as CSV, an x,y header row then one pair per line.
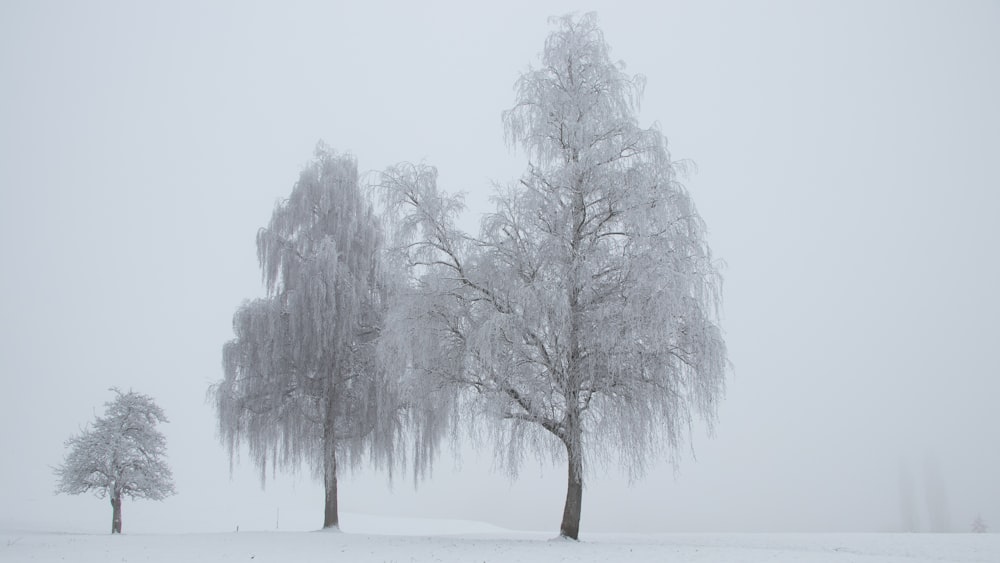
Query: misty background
x,y
846,166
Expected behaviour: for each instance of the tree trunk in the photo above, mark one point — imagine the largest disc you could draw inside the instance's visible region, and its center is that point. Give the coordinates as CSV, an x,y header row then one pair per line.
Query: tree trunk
x,y
570,527
573,429
116,514
330,517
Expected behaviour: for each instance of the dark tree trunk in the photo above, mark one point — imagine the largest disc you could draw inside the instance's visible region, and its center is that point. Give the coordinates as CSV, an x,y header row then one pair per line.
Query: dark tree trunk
x,y
116,514
330,516
572,427
570,527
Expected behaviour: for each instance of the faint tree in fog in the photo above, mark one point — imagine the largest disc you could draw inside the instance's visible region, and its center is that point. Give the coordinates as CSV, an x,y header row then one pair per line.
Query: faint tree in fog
x,y
122,454
581,322
302,381
936,492
907,506
978,526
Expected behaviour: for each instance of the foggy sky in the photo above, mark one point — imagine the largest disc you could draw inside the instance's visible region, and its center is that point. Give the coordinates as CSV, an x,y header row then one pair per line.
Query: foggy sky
x,y
846,166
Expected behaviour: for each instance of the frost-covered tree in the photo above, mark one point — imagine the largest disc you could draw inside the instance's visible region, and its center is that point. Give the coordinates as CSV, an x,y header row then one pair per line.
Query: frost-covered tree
x,y
302,383
978,525
582,320
122,454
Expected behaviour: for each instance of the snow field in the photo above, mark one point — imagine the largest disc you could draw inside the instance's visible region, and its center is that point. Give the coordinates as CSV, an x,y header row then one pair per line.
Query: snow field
x,y
507,546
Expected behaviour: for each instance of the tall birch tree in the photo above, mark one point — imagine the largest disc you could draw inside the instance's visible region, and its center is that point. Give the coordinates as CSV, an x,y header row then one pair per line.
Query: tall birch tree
x,y
582,321
302,383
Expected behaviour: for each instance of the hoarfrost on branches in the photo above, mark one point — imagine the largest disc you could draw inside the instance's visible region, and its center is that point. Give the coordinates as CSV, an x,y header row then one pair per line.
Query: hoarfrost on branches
x,y
582,321
302,381
122,454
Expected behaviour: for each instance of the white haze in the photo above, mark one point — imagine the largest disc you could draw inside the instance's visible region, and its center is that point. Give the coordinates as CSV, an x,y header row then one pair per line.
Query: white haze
x,y
846,169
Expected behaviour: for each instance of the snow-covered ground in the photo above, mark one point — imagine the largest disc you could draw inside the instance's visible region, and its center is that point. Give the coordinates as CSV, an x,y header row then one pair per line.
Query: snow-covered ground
x,y
374,539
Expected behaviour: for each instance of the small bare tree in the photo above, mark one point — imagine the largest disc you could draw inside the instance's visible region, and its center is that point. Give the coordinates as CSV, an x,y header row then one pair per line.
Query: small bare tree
x,y
581,321
122,454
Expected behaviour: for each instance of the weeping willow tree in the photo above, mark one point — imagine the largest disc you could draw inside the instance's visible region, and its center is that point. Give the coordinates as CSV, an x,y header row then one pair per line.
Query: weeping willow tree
x,y
582,321
303,384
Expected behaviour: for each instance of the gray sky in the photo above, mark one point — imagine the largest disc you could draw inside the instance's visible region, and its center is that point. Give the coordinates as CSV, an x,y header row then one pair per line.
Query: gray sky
x,y
847,170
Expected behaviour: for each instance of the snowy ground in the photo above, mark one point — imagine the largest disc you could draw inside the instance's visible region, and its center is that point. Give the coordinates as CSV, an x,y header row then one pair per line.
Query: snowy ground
x,y
405,541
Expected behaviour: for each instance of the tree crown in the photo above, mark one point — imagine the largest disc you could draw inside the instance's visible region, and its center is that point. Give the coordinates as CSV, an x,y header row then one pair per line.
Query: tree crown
x,y
122,453
586,308
301,376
